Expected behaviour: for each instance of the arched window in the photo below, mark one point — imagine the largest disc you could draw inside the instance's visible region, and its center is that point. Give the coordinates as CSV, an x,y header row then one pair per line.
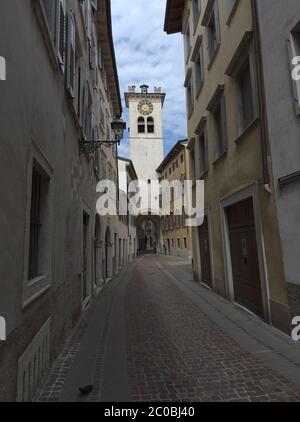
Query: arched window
x,y
141,125
150,125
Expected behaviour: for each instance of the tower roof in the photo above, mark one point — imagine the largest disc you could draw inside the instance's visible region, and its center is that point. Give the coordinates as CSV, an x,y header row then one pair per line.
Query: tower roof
x,y
144,93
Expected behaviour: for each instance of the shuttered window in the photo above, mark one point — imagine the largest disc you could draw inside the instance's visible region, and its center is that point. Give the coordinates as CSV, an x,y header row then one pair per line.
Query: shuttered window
x,y
71,56
61,34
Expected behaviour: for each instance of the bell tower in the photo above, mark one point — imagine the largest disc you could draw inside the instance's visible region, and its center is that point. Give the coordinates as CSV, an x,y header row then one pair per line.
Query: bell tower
x,y
146,130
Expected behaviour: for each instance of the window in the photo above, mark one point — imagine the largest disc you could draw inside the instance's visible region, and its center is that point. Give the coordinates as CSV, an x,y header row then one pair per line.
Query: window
x,y
150,125
50,13
199,68
203,152
217,109
294,50
187,41
181,158
172,241
185,242
196,11
211,22
39,230
141,125
56,20
71,56
219,131
189,93
246,96
178,243
174,166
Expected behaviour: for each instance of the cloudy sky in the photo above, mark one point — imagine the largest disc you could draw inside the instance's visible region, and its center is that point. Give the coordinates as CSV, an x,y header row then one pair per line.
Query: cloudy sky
x,y
146,54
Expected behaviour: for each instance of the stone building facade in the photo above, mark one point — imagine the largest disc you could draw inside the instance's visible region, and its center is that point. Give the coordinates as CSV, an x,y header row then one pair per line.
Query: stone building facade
x,y
61,93
127,222
177,237
237,251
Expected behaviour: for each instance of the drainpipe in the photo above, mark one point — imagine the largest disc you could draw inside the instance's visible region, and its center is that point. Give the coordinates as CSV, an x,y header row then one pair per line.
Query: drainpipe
x,y
261,96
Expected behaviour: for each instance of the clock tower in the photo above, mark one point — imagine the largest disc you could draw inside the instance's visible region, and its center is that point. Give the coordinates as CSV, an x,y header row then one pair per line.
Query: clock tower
x,y
146,130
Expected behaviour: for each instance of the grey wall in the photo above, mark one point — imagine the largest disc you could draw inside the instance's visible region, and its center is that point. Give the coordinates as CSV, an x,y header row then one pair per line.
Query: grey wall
x,y
277,18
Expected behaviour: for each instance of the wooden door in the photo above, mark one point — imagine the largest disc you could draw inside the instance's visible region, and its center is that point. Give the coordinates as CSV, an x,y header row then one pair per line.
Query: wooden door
x,y
244,256
205,253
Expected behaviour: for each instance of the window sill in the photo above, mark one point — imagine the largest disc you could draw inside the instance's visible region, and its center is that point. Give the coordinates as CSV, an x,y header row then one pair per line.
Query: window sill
x,y
247,130
220,158
203,175
34,289
212,60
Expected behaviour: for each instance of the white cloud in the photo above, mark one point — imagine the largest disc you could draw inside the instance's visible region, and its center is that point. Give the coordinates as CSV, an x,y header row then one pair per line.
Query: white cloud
x,y
146,54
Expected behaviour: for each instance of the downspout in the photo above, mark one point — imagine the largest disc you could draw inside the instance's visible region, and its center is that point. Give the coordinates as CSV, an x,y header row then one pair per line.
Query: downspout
x,y
261,96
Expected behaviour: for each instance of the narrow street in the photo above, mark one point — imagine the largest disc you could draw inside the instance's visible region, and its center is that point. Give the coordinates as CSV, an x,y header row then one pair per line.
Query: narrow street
x,y
155,335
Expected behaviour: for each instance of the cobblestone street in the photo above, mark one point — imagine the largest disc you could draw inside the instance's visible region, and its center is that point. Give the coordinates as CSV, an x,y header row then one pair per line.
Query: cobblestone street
x,y
154,335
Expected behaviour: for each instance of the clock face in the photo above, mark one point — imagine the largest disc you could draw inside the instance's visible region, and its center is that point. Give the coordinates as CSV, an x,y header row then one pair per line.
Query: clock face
x,y
145,107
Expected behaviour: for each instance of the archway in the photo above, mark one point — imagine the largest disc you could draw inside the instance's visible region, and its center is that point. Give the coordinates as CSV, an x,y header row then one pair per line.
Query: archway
x,y
149,236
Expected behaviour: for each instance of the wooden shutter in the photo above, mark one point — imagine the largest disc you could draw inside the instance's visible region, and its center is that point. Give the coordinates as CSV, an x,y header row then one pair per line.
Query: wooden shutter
x,y
70,74
60,40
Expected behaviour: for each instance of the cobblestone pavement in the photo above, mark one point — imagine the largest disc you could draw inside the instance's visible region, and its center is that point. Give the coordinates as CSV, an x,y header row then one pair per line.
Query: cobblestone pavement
x,y
174,351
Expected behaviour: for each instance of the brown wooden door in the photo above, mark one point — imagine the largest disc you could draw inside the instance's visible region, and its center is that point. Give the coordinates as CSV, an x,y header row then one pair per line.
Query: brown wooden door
x,y
205,253
244,256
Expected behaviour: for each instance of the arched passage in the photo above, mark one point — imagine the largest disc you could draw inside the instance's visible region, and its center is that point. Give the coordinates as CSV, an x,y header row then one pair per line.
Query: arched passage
x,y
148,230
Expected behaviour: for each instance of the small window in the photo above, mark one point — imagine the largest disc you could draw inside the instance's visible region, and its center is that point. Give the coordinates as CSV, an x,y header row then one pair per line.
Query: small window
x,y
187,40
203,150
294,48
178,243
150,125
38,223
185,242
196,11
141,125
220,128
199,69
189,93
212,23
182,158
246,96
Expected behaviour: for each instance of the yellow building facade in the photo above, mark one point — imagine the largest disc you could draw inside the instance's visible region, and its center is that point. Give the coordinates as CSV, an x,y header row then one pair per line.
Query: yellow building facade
x,y
237,251
177,237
